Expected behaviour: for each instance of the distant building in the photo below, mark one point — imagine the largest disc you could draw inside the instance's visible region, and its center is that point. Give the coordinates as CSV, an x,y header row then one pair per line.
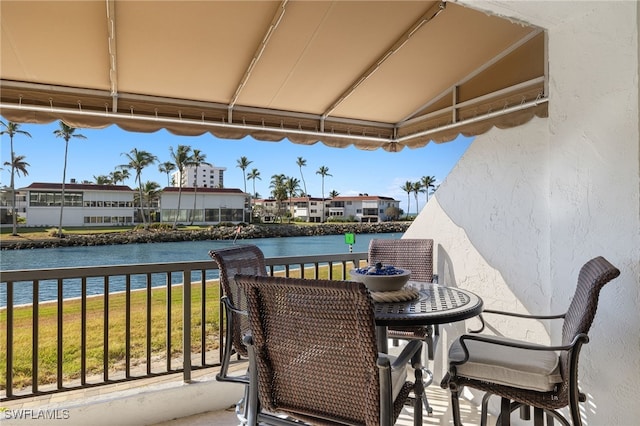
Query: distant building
x,y
307,209
84,204
364,208
207,177
361,208
212,205
6,203
105,205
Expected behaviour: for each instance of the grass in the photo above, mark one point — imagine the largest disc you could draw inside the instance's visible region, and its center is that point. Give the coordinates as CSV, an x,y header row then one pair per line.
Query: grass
x,y
95,350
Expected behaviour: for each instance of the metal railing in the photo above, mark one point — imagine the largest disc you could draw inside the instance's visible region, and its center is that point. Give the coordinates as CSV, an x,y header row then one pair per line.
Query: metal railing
x,y
105,303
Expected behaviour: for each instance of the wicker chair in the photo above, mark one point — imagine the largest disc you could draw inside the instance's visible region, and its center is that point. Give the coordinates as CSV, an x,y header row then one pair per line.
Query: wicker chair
x,y
246,259
415,255
313,355
530,375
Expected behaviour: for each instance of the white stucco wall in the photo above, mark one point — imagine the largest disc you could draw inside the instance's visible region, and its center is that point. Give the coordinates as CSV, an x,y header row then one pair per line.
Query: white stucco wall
x,y
525,208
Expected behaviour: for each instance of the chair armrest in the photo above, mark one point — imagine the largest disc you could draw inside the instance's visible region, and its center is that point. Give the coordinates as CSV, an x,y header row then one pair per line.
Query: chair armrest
x,y
228,305
515,314
409,351
579,339
511,314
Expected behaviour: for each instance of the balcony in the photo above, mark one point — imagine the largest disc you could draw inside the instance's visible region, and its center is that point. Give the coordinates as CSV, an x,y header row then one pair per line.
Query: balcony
x,y
133,381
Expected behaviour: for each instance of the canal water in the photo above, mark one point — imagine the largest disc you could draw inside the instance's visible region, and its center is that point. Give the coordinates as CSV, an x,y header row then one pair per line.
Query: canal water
x,y
125,254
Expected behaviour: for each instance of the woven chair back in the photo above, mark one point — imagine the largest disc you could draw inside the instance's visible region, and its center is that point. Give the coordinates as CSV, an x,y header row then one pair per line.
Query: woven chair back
x,y
315,346
415,255
579,316
240,259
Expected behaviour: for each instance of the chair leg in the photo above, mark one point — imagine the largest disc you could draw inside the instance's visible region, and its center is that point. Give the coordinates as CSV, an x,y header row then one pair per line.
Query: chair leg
x,y
505,412
538,416
485,409
455,403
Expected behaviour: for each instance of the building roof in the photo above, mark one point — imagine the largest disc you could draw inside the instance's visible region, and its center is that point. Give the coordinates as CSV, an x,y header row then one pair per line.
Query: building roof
x,y
203,189
363,198
75,187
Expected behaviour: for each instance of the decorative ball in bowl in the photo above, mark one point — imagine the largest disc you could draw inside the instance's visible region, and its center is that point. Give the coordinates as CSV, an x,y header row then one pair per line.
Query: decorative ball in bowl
x,y
381,277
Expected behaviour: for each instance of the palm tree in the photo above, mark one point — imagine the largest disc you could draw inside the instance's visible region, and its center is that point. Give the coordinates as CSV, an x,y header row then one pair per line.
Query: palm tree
x,y
19,167
292,186
428,182
167,167
13,129
278,191
138,160
151,192
102,180
119,176
197,159
323,171
253,175
408,188
181,157
333,194
65,132
243,163
417,188
301,162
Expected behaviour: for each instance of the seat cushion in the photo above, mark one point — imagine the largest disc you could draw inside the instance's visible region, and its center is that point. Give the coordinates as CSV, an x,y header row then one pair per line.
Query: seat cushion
x,y
504,365
398,377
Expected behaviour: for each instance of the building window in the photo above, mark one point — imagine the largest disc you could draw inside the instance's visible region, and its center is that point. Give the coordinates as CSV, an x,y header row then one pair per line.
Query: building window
x,y
53,198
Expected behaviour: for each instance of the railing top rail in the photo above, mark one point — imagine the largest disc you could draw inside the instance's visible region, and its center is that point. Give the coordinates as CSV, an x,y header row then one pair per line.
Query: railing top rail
x,y
144,268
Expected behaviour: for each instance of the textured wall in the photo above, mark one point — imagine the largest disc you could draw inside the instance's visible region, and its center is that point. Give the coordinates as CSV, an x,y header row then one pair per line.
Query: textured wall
x,y
526,207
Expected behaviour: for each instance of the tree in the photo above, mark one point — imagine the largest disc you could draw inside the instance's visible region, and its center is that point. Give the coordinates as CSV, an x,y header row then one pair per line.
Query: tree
x,y
253,175
197,159
417,188
301,162
392,213
408,188
428,182
19,167
151,193
181,157
13,129
118,176
292,186
243,163
278,191
167,167
333,194
324,172
138,160
65,132
102,180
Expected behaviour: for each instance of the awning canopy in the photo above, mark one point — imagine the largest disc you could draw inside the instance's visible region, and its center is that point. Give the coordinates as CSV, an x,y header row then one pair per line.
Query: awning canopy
x,y
369,73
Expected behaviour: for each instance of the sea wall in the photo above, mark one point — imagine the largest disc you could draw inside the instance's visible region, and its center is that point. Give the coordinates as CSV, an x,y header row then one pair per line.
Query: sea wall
x,y
212,233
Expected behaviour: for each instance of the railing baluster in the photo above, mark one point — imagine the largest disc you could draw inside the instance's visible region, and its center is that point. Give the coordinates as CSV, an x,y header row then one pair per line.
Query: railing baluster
x,y
127,327
203,318
169,321
83,332
60,335
105,330
9,390
149,319
186,325
35,321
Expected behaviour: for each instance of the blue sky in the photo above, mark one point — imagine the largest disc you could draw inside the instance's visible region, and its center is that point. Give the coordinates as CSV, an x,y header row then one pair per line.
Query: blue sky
x,y
353,171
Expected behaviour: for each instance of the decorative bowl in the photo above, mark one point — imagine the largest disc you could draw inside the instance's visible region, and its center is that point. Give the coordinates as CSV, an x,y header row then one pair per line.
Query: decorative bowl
x,y
381,278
